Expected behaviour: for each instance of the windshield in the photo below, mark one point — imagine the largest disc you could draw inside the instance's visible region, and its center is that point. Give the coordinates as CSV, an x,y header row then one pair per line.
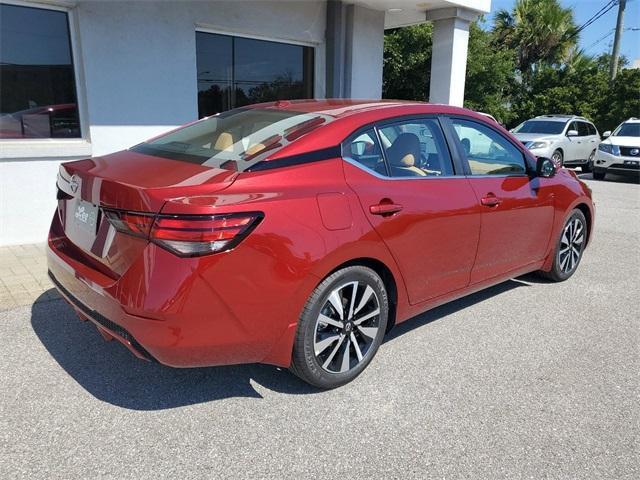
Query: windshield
x,y
234,140
627,130
540,126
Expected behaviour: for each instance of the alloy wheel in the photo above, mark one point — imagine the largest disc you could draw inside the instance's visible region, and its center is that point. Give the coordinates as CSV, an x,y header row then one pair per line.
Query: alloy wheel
x,y
557,159
571,245
347,327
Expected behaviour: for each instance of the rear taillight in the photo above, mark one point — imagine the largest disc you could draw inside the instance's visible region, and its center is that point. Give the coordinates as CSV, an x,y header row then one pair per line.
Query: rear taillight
x,y
132,223
187,235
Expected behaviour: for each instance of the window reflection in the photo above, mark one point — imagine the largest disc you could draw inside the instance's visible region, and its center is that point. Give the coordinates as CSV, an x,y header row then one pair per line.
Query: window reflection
x,y
38,91
235,71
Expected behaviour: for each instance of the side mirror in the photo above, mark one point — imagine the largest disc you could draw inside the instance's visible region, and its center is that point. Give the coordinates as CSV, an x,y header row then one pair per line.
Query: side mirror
x,y
572,133
606,134
545,167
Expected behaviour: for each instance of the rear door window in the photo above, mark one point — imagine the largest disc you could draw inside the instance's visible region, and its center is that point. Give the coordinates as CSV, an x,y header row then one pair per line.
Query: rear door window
x,y
583,129
416,148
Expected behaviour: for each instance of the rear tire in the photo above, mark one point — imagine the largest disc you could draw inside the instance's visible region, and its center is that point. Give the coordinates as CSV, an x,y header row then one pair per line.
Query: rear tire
x,y
569,248
599,175
587,167
341,327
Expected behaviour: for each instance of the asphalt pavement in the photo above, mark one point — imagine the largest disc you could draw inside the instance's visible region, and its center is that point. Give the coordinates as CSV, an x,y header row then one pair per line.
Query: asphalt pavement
x,y
525,380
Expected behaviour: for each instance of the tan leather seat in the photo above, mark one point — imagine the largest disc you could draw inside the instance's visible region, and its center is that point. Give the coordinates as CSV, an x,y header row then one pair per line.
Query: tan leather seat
x,y
253,149
403,155
224,142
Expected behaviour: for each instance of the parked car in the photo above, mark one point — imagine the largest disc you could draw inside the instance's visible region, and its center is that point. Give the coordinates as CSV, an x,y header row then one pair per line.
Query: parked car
x,y
566,139
620,151
298,233
47,121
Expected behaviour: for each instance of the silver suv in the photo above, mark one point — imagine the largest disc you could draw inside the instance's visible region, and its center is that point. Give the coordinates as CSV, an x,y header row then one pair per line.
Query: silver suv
x,y
566,139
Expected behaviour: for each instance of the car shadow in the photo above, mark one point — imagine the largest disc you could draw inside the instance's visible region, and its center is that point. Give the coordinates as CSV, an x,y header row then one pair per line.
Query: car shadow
x,y
457,305
109,372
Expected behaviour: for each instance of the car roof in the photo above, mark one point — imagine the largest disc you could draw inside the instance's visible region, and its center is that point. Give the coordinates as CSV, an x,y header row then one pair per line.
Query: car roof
x,y
342,108
352,115
554,117
632,120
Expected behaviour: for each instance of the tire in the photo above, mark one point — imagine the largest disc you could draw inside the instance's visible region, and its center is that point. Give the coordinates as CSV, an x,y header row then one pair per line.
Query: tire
x,y
599,174
324,353
587,167
558,158
569,248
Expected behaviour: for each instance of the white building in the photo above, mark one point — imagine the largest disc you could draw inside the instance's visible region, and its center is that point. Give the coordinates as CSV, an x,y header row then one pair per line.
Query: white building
x,y
82,78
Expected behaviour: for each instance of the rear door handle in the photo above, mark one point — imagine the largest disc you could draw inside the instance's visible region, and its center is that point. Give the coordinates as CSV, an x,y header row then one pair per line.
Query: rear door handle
x,y
490,200
385,209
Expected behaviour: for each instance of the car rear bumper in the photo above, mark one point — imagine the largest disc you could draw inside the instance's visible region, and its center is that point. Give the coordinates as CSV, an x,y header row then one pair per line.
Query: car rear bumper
x,y
176,311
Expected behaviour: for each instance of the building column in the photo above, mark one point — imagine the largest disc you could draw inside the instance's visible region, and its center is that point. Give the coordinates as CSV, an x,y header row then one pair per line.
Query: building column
x,y
355,50
449,54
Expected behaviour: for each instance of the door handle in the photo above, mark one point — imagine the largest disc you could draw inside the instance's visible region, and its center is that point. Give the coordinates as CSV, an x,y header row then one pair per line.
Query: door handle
x,y
385,209
490,200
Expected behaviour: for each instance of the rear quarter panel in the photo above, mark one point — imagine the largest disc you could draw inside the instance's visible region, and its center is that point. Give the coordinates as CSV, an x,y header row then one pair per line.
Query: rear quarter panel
x,y
268,278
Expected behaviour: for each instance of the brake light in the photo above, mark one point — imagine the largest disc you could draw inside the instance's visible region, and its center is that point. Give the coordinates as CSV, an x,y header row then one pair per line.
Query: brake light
x,y
132,223
187,235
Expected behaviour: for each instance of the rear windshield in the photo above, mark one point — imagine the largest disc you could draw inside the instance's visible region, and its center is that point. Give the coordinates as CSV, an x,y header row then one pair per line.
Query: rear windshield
x,y
540,126
628,130
234,140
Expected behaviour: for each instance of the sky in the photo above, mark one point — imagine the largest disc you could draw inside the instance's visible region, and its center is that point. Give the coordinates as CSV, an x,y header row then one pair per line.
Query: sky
x,y
591,38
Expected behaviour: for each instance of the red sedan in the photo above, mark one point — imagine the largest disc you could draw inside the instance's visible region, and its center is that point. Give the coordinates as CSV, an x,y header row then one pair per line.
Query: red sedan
x,y
298,233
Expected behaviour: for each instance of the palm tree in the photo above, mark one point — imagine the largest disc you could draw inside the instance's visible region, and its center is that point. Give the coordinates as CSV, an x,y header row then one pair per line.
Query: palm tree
x,y
541,32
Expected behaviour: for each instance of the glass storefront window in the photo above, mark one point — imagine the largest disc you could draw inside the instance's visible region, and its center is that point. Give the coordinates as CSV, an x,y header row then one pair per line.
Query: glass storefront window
x,y
237,71
37,82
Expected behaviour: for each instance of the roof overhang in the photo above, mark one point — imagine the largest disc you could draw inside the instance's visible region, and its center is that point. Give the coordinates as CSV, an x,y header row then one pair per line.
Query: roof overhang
x,y
401,13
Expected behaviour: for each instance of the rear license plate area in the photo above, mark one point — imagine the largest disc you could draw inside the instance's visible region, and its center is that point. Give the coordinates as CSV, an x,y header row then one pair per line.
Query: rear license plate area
x,y
85,217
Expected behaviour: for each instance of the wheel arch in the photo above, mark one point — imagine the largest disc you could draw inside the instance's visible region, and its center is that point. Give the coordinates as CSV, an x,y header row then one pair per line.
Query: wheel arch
x,y
586,211
387,277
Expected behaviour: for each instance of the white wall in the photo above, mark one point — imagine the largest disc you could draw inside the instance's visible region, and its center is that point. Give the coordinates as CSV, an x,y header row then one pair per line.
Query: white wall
x,y
136,64
140,58
27,200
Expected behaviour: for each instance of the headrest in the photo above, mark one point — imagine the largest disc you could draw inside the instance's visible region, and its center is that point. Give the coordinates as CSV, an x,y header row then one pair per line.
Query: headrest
x,y
405,150
224,142
466,144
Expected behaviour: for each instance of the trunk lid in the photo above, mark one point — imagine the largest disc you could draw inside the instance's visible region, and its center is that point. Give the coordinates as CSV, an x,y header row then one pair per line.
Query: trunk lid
x,y
124,181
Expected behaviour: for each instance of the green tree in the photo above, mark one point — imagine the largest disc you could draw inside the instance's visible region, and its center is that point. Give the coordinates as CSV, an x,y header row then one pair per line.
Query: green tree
x,y
407,63
490,78
541,32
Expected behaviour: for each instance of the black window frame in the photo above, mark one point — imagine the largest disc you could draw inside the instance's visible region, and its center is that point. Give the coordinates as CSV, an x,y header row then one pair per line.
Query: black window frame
x,y
79,102
453,139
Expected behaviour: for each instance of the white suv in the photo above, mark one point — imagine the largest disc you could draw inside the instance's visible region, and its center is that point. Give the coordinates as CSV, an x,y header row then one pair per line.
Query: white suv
x,y
566,139
620,152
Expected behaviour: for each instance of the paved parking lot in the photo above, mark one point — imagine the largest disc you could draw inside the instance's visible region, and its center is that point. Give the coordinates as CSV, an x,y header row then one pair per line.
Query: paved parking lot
x,y
525,380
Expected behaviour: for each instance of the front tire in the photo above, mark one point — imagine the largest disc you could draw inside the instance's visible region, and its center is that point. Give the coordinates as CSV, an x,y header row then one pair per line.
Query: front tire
x,y
341,327
558,158
599,174
569,248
